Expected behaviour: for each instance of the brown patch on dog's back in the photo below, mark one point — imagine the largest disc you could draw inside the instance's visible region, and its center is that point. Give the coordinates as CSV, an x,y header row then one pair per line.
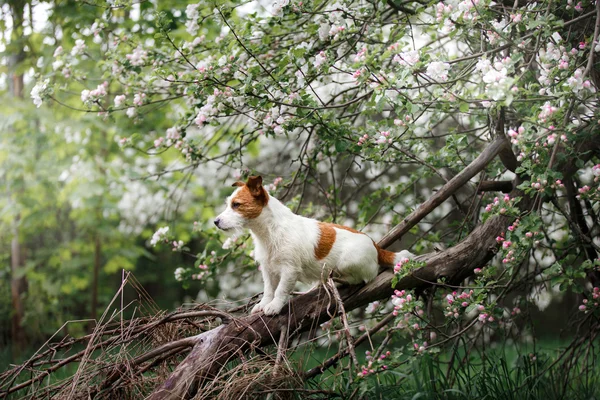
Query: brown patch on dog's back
x,y
326,240
250,206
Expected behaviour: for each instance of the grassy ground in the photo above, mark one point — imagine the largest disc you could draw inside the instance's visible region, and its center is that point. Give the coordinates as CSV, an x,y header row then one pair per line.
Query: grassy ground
x,y
510,372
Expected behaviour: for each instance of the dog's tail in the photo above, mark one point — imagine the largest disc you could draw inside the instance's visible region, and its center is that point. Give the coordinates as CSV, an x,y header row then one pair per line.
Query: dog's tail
x,y
389,259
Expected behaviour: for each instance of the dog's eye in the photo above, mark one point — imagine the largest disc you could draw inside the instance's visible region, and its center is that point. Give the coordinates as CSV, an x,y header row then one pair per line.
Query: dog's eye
x,y
235,205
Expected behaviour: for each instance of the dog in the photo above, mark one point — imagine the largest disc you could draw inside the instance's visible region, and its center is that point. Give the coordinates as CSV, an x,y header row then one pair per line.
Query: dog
x,y
292,248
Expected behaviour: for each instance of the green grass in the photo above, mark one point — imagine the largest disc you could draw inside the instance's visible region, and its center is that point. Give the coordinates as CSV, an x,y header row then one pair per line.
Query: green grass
x,y
503,373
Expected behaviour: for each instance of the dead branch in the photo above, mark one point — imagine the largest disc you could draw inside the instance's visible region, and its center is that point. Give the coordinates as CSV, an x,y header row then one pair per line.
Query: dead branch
x,y
446,191
344,317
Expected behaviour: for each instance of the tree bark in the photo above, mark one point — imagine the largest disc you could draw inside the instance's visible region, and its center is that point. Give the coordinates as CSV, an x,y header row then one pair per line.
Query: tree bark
x,y
18,282
97,255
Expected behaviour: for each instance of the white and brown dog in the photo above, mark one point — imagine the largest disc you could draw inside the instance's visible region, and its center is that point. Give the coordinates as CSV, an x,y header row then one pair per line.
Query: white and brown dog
x,y
293,248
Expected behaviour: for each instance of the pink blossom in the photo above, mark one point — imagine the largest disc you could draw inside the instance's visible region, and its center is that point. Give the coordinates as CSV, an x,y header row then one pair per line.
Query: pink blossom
x,y
584,189
119,100
138,99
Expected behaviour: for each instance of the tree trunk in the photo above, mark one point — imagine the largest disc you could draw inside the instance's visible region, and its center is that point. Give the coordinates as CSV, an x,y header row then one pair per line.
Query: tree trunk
x,y
17,288
97,255
15,83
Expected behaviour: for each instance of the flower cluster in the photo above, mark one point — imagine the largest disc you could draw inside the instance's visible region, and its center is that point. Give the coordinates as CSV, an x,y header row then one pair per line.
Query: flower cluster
x,y
191,12
320,59
275,183
372,307
374,363
160,235
588,305
362,139
438,71
203,272
403,301
398,266
79,47
93,96
38,91
407,58
384,137
177,245
495,76
179,274
137,57
458,302
503,206
120,100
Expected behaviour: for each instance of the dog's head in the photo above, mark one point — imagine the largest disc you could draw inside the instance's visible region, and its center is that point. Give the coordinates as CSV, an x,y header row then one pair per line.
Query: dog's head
x,y
245,204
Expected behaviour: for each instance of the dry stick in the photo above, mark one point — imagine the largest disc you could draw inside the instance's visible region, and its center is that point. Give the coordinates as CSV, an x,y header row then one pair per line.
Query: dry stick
x,y
343,316
110,341
164,351
96,334
446,191
281,348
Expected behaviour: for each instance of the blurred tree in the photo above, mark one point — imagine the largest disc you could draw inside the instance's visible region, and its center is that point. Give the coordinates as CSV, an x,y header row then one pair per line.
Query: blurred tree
x,y
70,210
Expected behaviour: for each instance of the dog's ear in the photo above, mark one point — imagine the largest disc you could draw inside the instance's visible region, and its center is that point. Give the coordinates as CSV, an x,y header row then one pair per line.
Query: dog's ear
x,y
238,184
254,183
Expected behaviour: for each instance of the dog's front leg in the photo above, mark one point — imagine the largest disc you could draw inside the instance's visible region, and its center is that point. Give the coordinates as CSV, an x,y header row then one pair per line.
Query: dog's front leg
x,y
282,294
270,281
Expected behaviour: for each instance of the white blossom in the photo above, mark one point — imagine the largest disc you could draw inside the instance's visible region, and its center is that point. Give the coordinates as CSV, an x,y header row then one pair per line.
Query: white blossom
x,y
324,31
131,112
191,13
58,51
78,48
438,71
408,58
179,274
37,91
575,82
137,57
159,235
119,100
320,59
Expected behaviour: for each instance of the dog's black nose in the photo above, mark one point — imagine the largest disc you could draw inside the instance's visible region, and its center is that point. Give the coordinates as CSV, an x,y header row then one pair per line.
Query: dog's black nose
x,y
217,222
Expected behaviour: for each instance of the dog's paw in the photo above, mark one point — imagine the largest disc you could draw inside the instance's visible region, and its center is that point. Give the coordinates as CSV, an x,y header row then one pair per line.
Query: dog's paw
x,y
274,307
257,308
